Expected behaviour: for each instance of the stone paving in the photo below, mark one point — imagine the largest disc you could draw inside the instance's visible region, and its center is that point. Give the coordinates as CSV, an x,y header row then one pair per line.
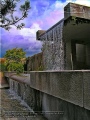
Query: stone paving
x,y
13,108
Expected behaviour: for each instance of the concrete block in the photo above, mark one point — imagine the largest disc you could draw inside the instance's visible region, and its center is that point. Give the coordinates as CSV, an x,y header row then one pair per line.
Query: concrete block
x,y
39,33
76,10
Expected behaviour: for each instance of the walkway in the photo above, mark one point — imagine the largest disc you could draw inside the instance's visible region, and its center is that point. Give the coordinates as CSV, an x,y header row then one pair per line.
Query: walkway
x,y
13,108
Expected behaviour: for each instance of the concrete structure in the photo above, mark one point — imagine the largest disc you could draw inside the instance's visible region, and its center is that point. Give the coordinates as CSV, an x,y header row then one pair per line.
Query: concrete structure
x,y
77,10
66,45
35,62
58,95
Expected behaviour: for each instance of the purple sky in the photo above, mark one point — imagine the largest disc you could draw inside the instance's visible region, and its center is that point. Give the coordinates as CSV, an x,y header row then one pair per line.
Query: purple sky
x,y
42,15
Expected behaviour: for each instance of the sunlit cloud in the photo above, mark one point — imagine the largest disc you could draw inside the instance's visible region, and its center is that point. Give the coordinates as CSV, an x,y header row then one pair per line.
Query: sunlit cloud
x,y
83,2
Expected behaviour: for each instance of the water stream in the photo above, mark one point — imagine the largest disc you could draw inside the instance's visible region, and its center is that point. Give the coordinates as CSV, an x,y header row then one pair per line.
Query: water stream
x,y
53,48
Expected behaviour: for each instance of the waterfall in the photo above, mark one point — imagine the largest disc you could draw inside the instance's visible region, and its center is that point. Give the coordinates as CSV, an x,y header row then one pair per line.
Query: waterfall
x,y
19,92
11,84
53,48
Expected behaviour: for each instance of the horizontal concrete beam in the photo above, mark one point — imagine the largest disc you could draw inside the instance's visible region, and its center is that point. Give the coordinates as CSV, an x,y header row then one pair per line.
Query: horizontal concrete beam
x,y
8,74
76,10
22,78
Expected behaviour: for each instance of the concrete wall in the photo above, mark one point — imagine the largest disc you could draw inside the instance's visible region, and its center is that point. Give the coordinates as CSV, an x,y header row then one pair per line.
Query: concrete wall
x,y
86,81
35,62
77,43
71,86
58,109
51,107
88,55
60,95
72,9
66,85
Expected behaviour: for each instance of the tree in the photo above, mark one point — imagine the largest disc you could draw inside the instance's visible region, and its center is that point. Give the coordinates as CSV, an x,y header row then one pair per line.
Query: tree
x,y
15,60
7,13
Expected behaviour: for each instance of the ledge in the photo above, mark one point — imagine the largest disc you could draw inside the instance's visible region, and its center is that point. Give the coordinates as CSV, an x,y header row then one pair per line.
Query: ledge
x,y
22,78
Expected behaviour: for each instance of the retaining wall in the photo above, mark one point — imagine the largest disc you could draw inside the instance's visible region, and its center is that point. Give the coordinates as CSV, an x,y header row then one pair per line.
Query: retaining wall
x,y
61,95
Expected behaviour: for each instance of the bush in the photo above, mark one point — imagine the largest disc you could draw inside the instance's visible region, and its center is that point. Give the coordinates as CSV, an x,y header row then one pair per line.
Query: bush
x,y
18,67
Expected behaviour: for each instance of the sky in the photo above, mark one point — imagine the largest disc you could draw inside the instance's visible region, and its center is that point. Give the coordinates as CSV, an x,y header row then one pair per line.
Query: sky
x,y
42,15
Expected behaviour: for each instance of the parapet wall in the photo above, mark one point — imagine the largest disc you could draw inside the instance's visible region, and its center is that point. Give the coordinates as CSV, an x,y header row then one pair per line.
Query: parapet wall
x,y
58,95
71,86
76,10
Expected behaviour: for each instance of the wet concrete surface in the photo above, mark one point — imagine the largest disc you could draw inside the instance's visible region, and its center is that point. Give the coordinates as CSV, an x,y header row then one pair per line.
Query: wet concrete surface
x,y
13,108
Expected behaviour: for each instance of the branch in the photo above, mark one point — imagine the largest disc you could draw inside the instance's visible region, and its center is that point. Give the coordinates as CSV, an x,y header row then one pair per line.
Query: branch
x,y
6,22
14,21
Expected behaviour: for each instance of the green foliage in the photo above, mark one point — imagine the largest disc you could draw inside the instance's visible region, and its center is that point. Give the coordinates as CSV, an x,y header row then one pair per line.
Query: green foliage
x,y
8,9
14,60
13,66
15,54
76,20
2,67
40,68
26,6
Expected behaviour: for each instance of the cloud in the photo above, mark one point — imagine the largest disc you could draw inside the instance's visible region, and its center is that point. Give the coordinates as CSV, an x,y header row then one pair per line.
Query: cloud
x,y
30,31
83,2
42,15
25,38
29,46
55,13
52,15
25,31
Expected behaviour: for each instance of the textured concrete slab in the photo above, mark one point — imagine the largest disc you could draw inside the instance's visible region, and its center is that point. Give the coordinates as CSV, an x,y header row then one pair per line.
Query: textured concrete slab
x,y
65,85
86,80
77,10
70,85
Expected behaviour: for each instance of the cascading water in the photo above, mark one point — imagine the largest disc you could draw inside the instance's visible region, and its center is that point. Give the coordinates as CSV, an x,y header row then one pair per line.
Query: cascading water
x,y
14,94
11,85
53,48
